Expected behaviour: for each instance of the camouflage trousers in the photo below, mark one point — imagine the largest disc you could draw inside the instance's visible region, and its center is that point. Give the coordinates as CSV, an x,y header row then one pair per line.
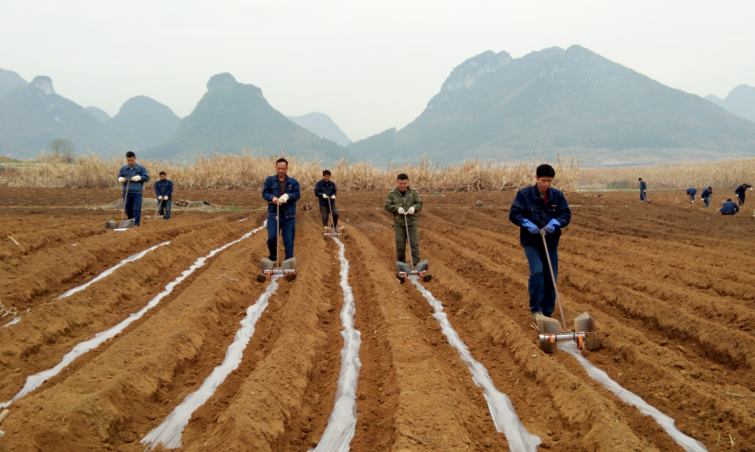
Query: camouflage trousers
x,y
400,232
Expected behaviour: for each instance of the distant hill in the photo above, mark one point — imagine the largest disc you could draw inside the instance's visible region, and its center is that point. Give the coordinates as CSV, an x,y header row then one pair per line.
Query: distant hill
x,y
740,101
143,122
573,102
9,81
101,115
321,125
32,116
233,116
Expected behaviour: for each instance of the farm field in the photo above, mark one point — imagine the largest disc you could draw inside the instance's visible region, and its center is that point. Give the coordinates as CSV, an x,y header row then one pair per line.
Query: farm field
x,y
671,286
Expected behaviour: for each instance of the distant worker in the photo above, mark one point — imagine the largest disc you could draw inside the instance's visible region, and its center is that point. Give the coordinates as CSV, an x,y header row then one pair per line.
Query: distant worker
x,y
325,190
164,192
707,193
404,203
740,192
534,208
643,190
729,208
692,192
281,190
133,176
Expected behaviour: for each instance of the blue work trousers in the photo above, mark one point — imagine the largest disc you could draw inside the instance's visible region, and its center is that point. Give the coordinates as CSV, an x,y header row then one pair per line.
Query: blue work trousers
x,y
288,231
134,207
706,200
164,209
542,294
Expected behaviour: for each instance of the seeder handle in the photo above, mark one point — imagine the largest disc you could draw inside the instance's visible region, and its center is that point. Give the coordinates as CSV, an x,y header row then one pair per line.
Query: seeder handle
x,y
553,278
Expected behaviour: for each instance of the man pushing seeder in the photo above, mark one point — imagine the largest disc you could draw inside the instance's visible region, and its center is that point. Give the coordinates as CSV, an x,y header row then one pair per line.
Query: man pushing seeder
x,y
541,211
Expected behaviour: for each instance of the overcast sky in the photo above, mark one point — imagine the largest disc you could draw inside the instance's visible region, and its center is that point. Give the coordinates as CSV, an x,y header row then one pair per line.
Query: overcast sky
x,y
368,66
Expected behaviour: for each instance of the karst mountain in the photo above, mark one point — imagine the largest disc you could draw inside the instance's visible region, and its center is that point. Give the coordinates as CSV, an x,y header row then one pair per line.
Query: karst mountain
x,y
572,102
740,101
321,125
232,117
33,115
9,81
143,122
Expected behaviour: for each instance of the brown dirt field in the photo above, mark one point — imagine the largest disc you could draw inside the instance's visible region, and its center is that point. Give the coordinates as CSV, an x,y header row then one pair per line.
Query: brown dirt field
x,y
670,284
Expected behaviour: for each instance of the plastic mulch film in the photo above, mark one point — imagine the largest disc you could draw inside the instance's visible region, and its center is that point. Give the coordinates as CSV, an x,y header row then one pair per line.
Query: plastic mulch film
x,y
500,406
34,381
687,443
110,270
169,432
343,419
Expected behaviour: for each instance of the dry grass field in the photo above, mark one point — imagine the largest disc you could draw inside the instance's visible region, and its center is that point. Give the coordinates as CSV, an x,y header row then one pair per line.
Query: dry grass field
x,y
671,286
248,172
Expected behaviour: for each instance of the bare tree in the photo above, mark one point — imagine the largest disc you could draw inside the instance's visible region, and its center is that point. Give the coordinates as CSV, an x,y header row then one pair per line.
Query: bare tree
x,y
63,149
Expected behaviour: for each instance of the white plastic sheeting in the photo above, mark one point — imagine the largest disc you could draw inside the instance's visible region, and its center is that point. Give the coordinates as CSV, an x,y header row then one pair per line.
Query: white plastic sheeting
x,y
34,381
110,270
343,419
687,443
170,430
12,322
500,406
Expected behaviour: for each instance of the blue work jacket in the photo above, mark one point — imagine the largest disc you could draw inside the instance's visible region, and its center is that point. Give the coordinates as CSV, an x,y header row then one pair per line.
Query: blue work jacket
x,y
325,188
164,188
130,171
643,186
730,207
691,191
271,190
529,205
707,192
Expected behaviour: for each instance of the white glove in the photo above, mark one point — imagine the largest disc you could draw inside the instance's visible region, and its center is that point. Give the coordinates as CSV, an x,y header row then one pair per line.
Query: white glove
x,y
324,196
136,178
121,180
410,211
401,211
161,198
333,197
283,199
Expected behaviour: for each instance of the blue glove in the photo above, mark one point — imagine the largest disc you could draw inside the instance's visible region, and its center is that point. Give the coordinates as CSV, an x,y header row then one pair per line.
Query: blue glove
x,y
530,226
550,228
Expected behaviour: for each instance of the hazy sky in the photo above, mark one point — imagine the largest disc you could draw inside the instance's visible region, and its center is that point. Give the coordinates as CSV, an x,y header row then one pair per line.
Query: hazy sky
x,y
369,66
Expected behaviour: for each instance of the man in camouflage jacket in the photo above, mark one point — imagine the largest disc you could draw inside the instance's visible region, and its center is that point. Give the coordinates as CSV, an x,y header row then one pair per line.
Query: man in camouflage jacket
x,y
404,200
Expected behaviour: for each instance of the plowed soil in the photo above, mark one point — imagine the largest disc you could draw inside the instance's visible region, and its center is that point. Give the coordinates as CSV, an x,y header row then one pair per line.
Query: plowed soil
x,y
670,284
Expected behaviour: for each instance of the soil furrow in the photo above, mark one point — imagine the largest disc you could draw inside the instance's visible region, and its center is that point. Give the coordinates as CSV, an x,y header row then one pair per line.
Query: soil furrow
x,y
273,393
481,426
437,405
46,334
111,397
697,396
33,280
739,350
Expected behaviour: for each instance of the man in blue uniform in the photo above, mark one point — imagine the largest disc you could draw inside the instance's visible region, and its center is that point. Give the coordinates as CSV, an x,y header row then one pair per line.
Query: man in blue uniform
x,y
692,192
729,208
133,176
325,190
740,192
164,192
643,190
535,208
281,190
707,193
